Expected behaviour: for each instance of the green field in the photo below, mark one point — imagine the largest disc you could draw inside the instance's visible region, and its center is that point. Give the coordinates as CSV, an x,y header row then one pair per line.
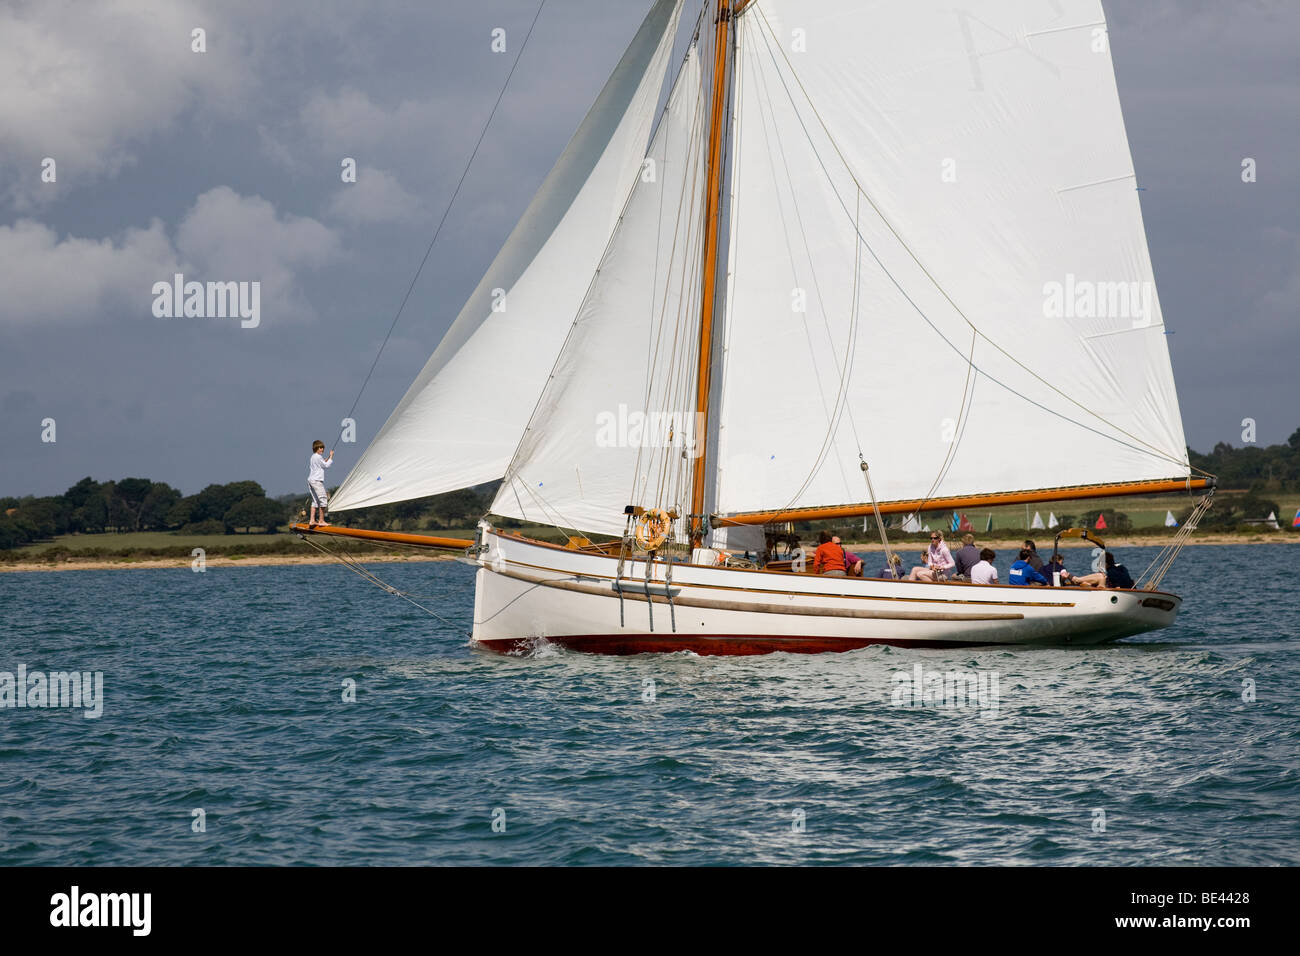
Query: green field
x,y
153,540
1147,514
166,544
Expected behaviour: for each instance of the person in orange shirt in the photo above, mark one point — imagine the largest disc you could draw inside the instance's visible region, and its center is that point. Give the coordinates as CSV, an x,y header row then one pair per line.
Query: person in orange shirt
x,y
829,556
852,563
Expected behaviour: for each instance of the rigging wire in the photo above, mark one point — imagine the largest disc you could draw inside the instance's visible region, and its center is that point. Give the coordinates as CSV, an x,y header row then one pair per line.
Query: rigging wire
x,y
451,202
353,564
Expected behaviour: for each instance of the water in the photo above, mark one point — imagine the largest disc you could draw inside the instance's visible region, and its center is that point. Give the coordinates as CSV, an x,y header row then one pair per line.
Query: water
x,y
224,692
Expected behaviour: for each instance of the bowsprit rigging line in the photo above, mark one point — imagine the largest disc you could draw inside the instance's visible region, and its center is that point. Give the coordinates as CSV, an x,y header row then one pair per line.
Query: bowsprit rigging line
x,y
352,564
451,202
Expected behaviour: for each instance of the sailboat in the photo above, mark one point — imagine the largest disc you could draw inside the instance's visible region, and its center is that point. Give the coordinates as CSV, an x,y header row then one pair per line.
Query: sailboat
x,y
841,236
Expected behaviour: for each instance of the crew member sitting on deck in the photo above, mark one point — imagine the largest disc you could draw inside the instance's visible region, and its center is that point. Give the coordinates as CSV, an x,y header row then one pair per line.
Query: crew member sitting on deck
x,y
852,563
1115,576
1057,564
829,556
938,561
893,569
984,572
1022,572
1035,561
965,558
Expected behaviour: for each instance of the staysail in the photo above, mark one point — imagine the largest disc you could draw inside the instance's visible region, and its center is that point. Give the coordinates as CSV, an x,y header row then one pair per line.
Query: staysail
x,y
462,418
937,259
615,423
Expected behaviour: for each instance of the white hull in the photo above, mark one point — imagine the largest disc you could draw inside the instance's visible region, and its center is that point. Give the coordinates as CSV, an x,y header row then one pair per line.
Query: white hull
x,y
526,591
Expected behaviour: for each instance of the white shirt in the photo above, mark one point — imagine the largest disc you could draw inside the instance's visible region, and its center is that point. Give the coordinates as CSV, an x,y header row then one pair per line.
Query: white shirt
x,y
984,573
316,467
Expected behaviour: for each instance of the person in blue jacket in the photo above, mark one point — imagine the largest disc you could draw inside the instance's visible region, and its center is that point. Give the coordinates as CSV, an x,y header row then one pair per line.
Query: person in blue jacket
x,y
1022,572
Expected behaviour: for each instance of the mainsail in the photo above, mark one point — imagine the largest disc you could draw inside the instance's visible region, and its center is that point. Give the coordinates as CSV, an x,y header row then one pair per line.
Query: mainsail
x,y
917,190
462,418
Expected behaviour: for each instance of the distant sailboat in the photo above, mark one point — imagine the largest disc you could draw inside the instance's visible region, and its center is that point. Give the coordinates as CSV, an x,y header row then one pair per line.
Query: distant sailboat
x,y
1170,520
1037,523
712,334
1100,524
1051,520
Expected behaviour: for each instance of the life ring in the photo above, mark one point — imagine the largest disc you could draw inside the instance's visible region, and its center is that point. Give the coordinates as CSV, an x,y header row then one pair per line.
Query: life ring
x,y
652,528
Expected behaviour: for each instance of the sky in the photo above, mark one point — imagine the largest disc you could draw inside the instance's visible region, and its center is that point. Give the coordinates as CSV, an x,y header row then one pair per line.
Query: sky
x,y
226,164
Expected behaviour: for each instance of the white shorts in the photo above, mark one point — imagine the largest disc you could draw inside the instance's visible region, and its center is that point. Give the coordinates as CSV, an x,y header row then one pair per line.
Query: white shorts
x,y
319,498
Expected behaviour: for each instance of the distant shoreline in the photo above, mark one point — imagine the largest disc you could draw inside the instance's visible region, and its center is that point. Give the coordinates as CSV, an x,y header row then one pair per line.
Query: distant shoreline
x,y
215,561
1004,547
1043,542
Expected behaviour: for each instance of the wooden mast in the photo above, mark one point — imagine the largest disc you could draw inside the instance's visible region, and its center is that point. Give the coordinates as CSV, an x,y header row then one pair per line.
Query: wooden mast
x,y
711,210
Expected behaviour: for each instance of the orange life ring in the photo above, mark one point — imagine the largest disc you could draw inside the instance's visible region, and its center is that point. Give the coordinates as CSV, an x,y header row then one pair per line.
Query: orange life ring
x,y
652,528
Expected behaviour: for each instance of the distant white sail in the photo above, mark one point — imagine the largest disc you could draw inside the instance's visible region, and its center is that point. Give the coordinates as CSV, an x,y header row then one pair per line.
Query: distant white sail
x,y
1051,520
1005,233
1170,520
461,419
1037,523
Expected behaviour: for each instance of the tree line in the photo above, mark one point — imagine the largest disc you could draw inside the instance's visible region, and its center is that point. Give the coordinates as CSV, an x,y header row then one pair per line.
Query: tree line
x,y
138,504
1259,470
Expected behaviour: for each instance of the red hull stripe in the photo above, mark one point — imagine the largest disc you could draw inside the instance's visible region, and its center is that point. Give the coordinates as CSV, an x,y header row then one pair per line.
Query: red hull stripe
x,y
704,644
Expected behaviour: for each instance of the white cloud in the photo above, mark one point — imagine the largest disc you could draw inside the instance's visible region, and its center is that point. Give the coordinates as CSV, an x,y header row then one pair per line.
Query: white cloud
x,y
44,277
351,121
88,83
231,237
376,196
224,237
